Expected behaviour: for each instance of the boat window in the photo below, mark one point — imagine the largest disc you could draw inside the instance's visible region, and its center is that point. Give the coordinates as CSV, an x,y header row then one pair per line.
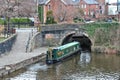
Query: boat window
x,y
52,56
74,48
67,50
77,46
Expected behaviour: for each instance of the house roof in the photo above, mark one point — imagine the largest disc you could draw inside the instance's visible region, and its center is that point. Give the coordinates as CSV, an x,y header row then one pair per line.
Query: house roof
x,y
91,1
74,2
43,1
71,2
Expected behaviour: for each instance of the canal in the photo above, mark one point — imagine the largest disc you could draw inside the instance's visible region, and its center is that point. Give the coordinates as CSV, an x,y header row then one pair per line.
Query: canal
x,y
84,66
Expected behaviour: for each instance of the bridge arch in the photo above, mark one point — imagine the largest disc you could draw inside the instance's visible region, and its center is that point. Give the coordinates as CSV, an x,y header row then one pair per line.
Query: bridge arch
x,y
83,38
67,38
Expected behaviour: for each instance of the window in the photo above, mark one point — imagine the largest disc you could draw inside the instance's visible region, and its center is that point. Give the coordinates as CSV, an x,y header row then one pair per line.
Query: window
x,y
82,6
49,7
96,6
101,11
100,7
91,13
77,46
85,6
52,56
84,13
74,48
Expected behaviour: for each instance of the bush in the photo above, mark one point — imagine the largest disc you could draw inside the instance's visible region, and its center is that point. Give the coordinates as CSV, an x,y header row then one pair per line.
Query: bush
x,y
20,20
1,21
16,20
91,28
50,18
104,34
78,20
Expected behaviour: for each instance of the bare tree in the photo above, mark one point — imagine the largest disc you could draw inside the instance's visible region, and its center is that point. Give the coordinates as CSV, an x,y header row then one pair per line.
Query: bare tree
x,y
61,13
27,8
16,8
7,8
67,13
80,13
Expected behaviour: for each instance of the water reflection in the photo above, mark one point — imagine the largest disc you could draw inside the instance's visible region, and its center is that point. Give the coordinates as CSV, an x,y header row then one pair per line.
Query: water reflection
x,y
28,75
85,58
38,66
84,66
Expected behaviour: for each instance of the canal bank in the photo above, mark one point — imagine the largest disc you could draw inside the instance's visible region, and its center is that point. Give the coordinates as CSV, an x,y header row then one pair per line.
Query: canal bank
x,y
105,37
7,69
18,57
106,50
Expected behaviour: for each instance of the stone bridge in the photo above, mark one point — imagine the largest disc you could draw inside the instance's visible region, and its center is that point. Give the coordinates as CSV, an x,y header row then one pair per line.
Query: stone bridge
x,y
54,35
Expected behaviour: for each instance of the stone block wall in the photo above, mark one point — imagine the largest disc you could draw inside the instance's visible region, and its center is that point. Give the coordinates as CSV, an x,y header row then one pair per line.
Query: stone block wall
x,y
7,44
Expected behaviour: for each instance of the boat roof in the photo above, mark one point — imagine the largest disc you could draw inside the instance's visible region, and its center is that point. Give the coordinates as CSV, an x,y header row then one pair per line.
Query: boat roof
x,y
67,45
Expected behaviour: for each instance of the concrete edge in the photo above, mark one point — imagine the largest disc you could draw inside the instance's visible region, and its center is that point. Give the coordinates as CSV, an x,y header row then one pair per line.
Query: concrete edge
x,y
31,45
7,69
9,38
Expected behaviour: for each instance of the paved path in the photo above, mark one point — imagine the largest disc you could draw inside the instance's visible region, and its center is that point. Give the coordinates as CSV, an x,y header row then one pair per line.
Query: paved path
x,y
18,52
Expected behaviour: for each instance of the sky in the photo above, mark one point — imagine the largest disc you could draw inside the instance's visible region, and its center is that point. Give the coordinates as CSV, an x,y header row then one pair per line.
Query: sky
x,y
112,1
112,8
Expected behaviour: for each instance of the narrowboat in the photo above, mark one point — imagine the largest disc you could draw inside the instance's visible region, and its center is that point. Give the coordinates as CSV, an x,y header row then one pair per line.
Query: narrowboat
x,y
59,53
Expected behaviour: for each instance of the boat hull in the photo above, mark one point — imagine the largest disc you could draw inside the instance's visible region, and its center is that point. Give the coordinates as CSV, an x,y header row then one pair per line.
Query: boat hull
x,y
63,58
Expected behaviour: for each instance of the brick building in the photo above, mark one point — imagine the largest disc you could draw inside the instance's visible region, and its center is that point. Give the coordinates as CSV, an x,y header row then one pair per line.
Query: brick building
x,y
102,4
67,10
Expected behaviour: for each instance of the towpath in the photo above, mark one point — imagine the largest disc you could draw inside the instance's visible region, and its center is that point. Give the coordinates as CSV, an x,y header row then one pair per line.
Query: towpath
x,y
18,52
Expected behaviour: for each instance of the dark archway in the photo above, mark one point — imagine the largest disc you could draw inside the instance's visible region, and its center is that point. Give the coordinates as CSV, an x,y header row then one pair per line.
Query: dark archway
x,y
67,38
85,42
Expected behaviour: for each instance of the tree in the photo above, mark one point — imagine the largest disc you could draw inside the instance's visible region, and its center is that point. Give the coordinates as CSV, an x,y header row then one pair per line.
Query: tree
x,y
7,11
50,18
16,8
61,13
79,13
27,8
7,8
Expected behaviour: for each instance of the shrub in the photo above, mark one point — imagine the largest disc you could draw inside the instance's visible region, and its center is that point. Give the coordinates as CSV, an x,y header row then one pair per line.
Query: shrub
x,y
78,20
20,20
91,28
50,18
1,21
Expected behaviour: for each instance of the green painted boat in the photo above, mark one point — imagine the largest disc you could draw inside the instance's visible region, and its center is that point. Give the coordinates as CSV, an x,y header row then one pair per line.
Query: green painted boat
x,y
59,53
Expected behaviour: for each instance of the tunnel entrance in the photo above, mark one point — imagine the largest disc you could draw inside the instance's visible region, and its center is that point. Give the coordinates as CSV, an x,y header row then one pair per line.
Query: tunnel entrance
x,y
85,42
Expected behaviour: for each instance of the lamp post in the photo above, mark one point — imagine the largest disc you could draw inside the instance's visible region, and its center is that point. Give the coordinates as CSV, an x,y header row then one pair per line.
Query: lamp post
x,y
18,14
5,29
8,17
118,9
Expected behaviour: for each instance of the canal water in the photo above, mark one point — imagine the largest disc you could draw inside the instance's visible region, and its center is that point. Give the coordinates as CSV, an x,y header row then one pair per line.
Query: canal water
x,y
84,66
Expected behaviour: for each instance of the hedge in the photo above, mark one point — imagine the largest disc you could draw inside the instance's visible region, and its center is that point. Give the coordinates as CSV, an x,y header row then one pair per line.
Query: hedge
x,y
16,20
90,28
